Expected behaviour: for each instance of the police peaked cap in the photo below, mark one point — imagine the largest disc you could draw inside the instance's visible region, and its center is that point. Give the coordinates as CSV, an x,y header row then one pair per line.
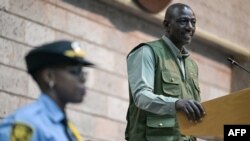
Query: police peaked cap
x,y
55,53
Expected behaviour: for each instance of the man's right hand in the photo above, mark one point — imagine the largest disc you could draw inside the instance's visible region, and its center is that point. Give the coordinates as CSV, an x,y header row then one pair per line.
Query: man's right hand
x,y
191,108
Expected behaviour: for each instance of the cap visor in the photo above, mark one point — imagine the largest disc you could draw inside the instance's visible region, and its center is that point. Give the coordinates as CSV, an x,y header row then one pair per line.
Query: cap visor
x,y
87,63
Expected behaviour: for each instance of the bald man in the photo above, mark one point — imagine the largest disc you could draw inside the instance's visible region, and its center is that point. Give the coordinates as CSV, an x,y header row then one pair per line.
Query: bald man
x,y
163,79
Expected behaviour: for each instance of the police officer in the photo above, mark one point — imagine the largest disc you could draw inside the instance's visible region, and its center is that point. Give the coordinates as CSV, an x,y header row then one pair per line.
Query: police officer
x,y
57,68
163,79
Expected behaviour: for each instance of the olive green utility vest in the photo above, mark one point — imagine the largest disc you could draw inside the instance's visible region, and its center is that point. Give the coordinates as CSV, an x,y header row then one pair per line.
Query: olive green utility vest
x,y
147,126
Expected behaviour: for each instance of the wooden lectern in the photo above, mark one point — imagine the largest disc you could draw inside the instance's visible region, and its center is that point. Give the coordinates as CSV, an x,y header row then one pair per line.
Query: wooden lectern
x,y
230,109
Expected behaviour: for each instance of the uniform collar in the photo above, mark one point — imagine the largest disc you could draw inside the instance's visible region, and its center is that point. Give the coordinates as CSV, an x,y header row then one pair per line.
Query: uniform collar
x,y
52,110
184,54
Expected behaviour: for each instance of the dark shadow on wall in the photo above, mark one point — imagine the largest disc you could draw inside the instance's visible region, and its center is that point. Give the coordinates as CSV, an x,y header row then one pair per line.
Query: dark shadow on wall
x,y
209,50
122,20
241,78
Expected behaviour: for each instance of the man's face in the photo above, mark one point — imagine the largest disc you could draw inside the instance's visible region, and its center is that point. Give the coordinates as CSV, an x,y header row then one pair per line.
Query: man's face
x,y
181,26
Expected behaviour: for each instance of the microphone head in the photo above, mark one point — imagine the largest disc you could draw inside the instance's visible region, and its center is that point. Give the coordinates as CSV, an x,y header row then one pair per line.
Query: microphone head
x,y
230,59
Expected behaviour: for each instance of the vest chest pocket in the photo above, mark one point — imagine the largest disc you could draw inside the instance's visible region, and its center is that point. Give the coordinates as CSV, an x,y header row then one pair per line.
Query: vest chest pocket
x,y
194,79
171,83
193,74
194,83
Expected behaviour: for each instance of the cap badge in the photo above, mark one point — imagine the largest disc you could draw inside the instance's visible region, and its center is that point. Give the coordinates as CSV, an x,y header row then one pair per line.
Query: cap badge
x,y
76,52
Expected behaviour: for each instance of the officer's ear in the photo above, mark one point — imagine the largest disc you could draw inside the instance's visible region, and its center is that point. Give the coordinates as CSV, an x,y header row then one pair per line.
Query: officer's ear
x,y
48,77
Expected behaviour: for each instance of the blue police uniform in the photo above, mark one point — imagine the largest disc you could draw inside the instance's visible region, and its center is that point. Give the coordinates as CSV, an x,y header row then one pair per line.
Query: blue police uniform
x,y
43,120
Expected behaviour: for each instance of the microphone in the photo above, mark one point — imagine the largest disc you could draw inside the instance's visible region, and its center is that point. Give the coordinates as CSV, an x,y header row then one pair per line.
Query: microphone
x,y
237,64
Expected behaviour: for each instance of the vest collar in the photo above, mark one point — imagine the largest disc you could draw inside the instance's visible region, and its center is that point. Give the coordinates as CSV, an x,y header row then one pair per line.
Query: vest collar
x,y
177,53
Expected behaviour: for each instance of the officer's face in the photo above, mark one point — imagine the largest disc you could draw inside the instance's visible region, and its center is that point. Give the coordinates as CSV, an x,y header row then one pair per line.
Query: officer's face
x,y
181,26
70,83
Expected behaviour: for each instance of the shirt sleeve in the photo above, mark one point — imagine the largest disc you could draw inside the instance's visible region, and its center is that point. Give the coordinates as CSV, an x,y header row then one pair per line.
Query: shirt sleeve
x,y
10,126
141,69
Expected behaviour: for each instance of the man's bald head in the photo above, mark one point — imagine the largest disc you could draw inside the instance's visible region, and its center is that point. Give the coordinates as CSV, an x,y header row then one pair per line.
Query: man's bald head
x,y
173,9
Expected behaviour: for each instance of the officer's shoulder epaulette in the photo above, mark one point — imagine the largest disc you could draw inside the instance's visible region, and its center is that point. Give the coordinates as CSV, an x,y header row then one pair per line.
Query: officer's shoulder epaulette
x,y
28,112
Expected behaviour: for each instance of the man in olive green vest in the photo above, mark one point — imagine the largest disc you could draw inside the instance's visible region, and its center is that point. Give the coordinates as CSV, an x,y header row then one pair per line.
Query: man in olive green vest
x,y
162,80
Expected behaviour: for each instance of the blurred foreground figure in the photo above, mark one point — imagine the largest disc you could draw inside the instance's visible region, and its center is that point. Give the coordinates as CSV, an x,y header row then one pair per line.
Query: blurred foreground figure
x,y
58,70
163,79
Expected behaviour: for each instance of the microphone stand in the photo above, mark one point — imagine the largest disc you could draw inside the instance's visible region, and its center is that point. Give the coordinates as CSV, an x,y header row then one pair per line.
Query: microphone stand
x,y
237,64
